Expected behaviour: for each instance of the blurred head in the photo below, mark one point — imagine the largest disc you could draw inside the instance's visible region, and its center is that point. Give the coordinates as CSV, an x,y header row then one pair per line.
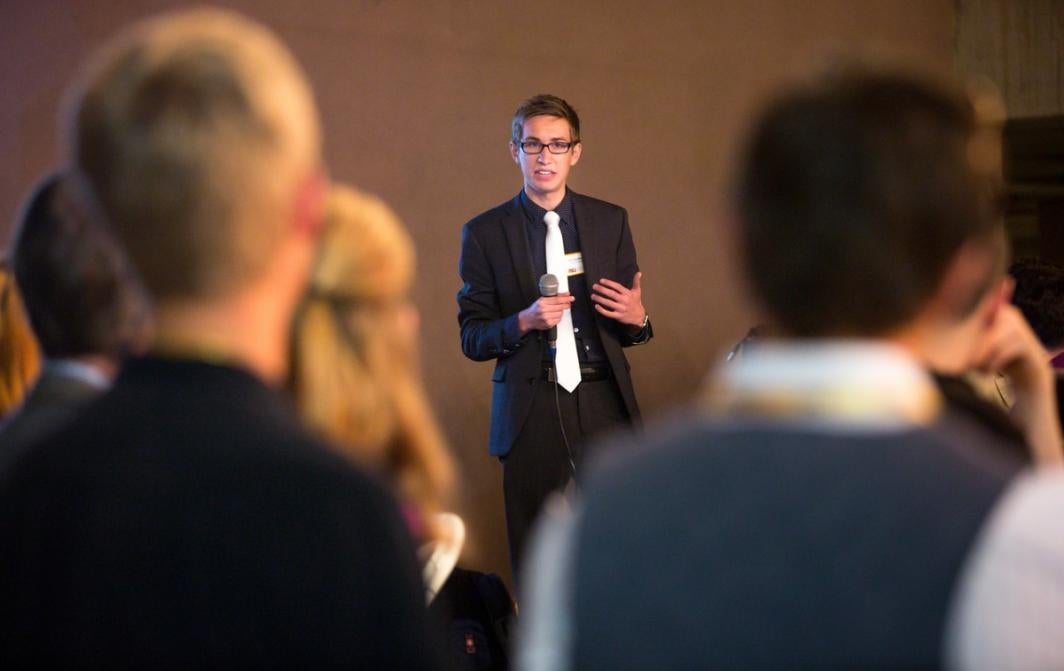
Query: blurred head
x,y
860,195
1039,294
80,293
20,360
198,135
354,365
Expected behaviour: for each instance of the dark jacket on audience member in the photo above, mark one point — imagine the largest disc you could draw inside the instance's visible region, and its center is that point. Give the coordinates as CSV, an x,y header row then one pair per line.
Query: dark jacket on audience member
x,y
185,520
54,400
964,401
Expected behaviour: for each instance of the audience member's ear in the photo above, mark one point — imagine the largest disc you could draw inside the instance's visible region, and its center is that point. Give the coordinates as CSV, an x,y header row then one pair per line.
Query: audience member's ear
x,y
1000,295
308,217
967,285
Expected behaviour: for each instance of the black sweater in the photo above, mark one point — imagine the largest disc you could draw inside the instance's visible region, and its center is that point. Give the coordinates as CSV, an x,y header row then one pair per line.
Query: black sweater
x,y
186,520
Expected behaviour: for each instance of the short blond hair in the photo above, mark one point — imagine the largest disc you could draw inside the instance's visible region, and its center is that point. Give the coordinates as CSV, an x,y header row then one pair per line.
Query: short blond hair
x,y
197,132
354,374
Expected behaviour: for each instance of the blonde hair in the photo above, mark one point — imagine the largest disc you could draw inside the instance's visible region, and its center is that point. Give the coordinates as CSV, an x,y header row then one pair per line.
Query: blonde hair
x,y
197,132
354,368
20,358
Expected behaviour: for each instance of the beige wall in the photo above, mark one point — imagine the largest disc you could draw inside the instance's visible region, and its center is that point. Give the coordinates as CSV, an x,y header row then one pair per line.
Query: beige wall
x,y
1019,46
416,97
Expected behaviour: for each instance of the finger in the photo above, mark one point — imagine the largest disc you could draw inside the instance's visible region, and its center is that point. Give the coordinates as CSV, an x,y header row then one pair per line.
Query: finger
x,y
999,358
559,302
608,291
606,302
637,282
547,321
613,285
613,314
987,354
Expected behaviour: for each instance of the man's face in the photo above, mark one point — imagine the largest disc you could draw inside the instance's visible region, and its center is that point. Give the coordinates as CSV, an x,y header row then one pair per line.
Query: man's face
x,y
545,174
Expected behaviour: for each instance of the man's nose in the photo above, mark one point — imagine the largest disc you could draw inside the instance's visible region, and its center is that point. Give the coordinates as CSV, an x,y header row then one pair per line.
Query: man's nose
x,y
543,156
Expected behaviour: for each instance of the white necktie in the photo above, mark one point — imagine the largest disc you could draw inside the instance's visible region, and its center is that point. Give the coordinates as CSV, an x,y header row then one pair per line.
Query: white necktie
x,y
566,363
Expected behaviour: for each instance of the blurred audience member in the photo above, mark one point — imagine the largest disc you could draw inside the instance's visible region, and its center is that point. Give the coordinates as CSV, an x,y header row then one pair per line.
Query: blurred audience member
x,y
825,512
1039,294
753,337
973,393
1006,332
186,519
84,304
1011,350
355,372
20,359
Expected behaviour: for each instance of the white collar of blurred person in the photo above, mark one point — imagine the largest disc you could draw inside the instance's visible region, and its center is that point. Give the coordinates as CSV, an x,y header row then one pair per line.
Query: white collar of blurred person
x,y
93,374
861,385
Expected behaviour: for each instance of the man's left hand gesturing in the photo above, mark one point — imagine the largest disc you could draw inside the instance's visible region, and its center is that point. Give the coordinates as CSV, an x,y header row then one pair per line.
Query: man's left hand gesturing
x,y
617,301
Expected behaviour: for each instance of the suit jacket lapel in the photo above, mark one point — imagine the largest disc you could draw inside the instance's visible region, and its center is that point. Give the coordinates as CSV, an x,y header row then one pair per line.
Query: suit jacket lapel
x,y
592,244
513,226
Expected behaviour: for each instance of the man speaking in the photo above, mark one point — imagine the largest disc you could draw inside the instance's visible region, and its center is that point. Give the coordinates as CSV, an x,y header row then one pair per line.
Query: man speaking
x,y
551,393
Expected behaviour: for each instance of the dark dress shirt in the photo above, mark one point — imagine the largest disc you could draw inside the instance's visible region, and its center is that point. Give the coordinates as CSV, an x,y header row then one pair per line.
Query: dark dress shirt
x,y
588,344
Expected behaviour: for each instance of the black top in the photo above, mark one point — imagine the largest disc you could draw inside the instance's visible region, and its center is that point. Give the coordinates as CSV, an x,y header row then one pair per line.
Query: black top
x,y
588,344
54,400
185,520
963,400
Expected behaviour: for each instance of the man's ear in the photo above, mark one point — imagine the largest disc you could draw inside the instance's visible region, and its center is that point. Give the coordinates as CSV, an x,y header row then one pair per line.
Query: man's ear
x,y
999,296
967,285
513,152
576,151
308,217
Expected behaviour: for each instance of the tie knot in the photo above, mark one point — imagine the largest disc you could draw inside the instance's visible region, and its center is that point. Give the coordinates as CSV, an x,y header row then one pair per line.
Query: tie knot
x,y
551,218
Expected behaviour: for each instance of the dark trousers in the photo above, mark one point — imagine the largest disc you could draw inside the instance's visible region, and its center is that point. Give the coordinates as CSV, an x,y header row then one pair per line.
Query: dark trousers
x,y
538,464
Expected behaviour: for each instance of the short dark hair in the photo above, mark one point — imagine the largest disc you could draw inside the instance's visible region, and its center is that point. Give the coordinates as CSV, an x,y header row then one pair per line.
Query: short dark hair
x,y
544,104
855,193
79,290
1039,295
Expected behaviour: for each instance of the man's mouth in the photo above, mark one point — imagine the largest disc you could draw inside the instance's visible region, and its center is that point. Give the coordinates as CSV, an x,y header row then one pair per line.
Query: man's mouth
x,y
544,173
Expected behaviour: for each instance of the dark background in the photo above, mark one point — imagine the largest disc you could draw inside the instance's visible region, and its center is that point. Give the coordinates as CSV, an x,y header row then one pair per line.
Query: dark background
x,y
416,98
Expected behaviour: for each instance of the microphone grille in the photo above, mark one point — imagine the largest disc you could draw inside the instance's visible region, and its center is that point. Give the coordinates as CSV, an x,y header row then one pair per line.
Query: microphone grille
x,y
548,285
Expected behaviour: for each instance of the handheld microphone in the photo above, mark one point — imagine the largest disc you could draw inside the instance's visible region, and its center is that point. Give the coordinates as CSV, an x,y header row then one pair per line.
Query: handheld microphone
x,y
548,286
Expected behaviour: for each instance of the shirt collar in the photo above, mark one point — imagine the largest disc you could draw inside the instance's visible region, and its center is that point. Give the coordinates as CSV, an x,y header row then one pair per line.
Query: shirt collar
x,y
535,213
846,383
71,368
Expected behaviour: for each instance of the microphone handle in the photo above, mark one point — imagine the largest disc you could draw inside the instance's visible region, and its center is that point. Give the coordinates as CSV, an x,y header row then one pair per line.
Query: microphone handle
x,y
548,287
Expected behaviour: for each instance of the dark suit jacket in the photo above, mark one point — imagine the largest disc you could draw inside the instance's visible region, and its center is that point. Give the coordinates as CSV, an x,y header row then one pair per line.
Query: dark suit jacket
x,y
54,400
185,520
499,281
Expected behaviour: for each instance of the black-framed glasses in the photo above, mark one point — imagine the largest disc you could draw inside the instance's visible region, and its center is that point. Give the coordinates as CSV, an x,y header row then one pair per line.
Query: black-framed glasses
x,y
536,147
